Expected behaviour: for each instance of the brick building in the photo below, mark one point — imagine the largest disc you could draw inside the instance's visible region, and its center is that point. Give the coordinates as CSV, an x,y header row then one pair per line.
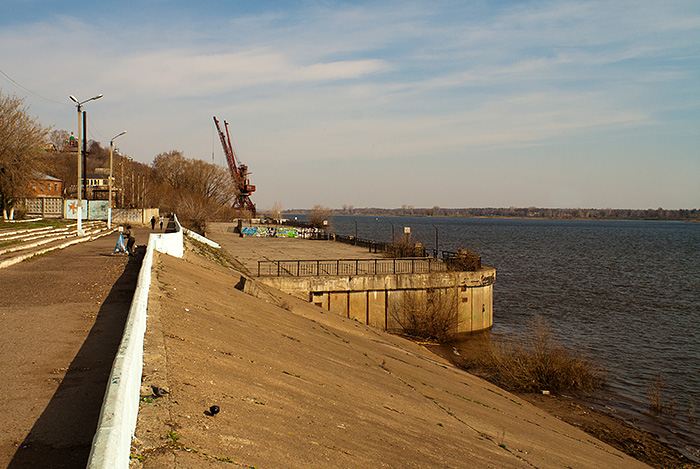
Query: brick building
x,y
46,196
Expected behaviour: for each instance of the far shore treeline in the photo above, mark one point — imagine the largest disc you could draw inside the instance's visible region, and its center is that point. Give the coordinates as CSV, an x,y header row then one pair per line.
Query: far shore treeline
x,y
524,212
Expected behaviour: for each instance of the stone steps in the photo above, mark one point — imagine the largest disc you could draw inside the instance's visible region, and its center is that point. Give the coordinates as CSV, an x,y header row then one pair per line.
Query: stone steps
x,y
27,243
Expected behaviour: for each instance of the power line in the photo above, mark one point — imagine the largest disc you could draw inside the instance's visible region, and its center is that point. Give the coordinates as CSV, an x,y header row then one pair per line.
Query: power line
x,y
24,88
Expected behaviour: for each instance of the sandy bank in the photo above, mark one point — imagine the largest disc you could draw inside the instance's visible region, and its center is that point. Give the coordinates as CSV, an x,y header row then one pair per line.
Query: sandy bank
x,y
300,387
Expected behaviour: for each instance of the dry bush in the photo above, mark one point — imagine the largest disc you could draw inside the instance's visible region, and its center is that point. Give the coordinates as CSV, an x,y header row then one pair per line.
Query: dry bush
x,y
429,317
404,246
466,260
657,400
655,393
536,362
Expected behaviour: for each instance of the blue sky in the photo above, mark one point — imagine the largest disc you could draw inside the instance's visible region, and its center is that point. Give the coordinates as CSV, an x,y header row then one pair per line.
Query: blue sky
x,y
448,103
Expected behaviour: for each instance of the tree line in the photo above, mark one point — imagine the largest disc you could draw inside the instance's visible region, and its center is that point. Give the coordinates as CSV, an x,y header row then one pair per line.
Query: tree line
x,y
519,212
192,188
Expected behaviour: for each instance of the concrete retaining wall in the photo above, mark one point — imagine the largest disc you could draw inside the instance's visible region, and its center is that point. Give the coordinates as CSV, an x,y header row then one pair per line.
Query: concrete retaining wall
x,y
141,216
378,299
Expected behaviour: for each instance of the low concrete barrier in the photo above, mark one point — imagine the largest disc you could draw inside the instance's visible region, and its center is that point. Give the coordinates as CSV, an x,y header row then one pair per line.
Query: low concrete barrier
x,y
201,238
112,441
111,445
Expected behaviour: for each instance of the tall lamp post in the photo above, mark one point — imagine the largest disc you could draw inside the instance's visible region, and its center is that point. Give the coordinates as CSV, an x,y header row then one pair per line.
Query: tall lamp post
x,y
109,203
79,105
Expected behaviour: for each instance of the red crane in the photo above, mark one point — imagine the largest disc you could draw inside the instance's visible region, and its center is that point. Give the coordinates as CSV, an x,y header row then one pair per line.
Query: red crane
x,y
239,173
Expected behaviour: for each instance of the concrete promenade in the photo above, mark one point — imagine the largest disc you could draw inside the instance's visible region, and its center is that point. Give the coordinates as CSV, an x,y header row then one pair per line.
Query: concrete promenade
x,y
61,320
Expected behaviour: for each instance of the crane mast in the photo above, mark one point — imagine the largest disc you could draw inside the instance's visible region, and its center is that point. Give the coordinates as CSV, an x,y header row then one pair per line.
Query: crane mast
x,y
239,173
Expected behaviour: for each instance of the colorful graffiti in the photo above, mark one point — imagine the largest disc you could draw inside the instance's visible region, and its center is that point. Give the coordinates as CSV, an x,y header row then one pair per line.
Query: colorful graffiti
x,y
278,232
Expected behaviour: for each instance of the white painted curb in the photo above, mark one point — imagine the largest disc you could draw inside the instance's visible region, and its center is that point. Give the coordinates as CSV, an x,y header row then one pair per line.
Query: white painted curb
x,y
111,445
112,442
201,238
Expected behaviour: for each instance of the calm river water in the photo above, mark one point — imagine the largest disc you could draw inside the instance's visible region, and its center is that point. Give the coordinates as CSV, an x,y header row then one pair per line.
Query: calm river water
x,y
627,293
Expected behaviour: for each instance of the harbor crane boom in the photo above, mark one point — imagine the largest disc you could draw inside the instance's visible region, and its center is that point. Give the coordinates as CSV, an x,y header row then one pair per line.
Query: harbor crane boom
x,y
239,173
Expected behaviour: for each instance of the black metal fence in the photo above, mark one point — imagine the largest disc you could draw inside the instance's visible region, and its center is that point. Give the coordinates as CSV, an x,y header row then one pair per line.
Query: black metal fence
x,y
314,268
377,246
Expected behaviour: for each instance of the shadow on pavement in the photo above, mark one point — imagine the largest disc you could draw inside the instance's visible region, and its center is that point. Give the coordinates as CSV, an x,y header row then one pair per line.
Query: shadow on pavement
x,y
62,436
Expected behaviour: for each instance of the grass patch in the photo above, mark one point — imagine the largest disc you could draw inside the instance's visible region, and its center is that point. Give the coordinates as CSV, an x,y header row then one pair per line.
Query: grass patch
x,y
218,255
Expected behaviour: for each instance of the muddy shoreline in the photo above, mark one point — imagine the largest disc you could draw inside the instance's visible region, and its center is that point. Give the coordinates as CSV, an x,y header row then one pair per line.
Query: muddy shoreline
x,y
578,410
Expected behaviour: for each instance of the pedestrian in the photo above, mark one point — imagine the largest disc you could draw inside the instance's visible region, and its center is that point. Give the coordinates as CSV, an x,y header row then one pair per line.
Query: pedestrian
x,y
130,240
153,222
161,222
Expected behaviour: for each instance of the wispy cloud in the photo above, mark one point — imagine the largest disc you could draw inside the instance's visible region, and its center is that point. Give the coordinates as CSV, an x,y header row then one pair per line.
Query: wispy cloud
x,y
390,82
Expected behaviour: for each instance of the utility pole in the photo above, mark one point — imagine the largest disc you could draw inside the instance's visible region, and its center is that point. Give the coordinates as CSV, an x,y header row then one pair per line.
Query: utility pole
x,y
85,170
79,106
121,186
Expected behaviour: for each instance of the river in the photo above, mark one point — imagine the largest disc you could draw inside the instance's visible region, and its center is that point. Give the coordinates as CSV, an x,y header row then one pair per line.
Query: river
x,y
626,293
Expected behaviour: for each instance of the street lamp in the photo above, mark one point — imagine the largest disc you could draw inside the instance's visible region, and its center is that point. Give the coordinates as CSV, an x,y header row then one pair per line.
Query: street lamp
x,y
109,203
81,153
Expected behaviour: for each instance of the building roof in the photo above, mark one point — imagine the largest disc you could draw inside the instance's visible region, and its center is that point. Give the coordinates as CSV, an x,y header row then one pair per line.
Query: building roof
x,y
46,177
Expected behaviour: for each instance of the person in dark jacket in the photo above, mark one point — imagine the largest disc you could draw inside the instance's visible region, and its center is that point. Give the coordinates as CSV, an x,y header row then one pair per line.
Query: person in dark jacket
x,y
130,240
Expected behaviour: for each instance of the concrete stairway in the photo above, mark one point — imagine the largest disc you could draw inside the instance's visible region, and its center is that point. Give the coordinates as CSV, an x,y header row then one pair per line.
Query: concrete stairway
x,y
19,245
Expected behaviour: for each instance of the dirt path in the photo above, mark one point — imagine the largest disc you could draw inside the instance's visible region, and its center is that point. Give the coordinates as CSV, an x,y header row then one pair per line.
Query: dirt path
x,y
61,319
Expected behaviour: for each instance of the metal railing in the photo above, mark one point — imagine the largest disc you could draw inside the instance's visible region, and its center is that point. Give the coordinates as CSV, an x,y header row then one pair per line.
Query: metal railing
x,y
335,267
376,246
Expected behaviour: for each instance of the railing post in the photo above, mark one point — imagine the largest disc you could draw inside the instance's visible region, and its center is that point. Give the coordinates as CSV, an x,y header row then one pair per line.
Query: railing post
x,y
278,268
258,268
298,268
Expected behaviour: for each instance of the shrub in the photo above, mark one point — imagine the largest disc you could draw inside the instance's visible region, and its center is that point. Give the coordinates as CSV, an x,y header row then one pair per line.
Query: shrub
x,y
404,246
535,362
466,260
429,317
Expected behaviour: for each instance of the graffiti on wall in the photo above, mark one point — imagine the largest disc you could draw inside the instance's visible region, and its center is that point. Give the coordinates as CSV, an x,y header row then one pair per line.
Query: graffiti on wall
x,y
278,232
70,208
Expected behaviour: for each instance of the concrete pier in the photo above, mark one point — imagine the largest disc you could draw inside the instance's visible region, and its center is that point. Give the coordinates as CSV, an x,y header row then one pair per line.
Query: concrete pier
x,y
376,300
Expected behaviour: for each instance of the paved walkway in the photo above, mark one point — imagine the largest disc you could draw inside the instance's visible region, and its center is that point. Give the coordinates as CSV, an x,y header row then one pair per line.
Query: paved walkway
x,y
61,319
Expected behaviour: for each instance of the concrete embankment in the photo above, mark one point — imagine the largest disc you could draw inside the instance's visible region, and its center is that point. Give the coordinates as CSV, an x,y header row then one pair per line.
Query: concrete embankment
x,y
299,386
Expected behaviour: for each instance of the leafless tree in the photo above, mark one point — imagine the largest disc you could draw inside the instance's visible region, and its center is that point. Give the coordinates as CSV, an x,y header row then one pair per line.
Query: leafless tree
x,y
319,216
276,211
22,140
198,191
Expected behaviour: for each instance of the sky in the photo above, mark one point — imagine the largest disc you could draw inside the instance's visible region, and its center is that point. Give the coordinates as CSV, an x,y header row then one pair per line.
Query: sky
x,y
590,104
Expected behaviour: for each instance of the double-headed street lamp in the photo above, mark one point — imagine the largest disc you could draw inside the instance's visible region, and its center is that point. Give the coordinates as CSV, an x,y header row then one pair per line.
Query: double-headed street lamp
x,y
109,204
81,156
